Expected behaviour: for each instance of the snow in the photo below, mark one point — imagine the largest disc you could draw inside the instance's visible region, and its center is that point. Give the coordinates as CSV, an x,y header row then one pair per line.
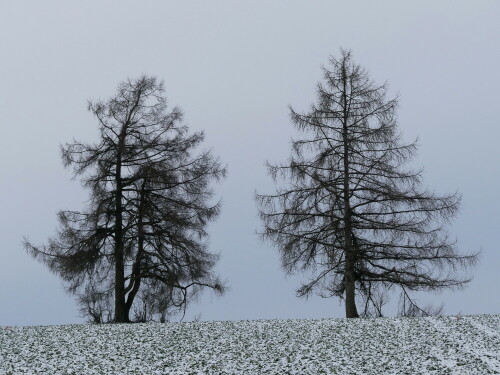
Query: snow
x,y
438,345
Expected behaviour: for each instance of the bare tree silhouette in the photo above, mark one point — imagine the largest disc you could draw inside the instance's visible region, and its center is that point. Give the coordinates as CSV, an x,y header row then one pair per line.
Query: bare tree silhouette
x,y
349,211
143,229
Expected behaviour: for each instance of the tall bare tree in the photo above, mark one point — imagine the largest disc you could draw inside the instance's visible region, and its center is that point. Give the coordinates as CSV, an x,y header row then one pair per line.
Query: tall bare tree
x,y
143,232
350,211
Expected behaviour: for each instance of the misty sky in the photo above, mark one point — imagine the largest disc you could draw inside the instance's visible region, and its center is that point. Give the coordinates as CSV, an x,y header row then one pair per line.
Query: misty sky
x,y
234,67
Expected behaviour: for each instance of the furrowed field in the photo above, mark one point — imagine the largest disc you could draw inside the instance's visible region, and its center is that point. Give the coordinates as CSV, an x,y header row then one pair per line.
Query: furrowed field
x,y
443,345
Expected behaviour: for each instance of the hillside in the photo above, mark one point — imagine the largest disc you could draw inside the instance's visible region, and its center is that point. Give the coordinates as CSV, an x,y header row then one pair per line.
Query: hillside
x,y
443,345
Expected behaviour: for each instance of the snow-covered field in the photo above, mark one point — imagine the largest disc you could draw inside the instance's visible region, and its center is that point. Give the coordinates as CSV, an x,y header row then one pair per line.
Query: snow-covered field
x,y
443,345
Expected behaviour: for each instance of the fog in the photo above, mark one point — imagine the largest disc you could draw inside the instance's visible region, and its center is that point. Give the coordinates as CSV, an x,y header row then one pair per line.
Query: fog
x,y
233,68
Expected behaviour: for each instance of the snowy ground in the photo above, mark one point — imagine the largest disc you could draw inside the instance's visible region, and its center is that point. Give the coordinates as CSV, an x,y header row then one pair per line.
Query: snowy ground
x,y
444,345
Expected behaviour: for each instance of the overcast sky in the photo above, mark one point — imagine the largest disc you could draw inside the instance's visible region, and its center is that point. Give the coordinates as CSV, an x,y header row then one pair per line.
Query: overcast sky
x,y
234,67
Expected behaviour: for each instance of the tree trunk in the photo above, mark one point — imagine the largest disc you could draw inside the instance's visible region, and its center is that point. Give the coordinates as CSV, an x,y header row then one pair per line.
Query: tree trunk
x,y
130,299
349,277
135,277
120,313
119,263
119,256
350,300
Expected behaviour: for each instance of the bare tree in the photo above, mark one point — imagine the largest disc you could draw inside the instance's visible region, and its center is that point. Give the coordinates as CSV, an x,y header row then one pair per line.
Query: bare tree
x,y
150,201
351,212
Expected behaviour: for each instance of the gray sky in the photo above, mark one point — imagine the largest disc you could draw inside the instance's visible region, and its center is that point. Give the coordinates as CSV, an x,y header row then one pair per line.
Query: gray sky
x,y
233,67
